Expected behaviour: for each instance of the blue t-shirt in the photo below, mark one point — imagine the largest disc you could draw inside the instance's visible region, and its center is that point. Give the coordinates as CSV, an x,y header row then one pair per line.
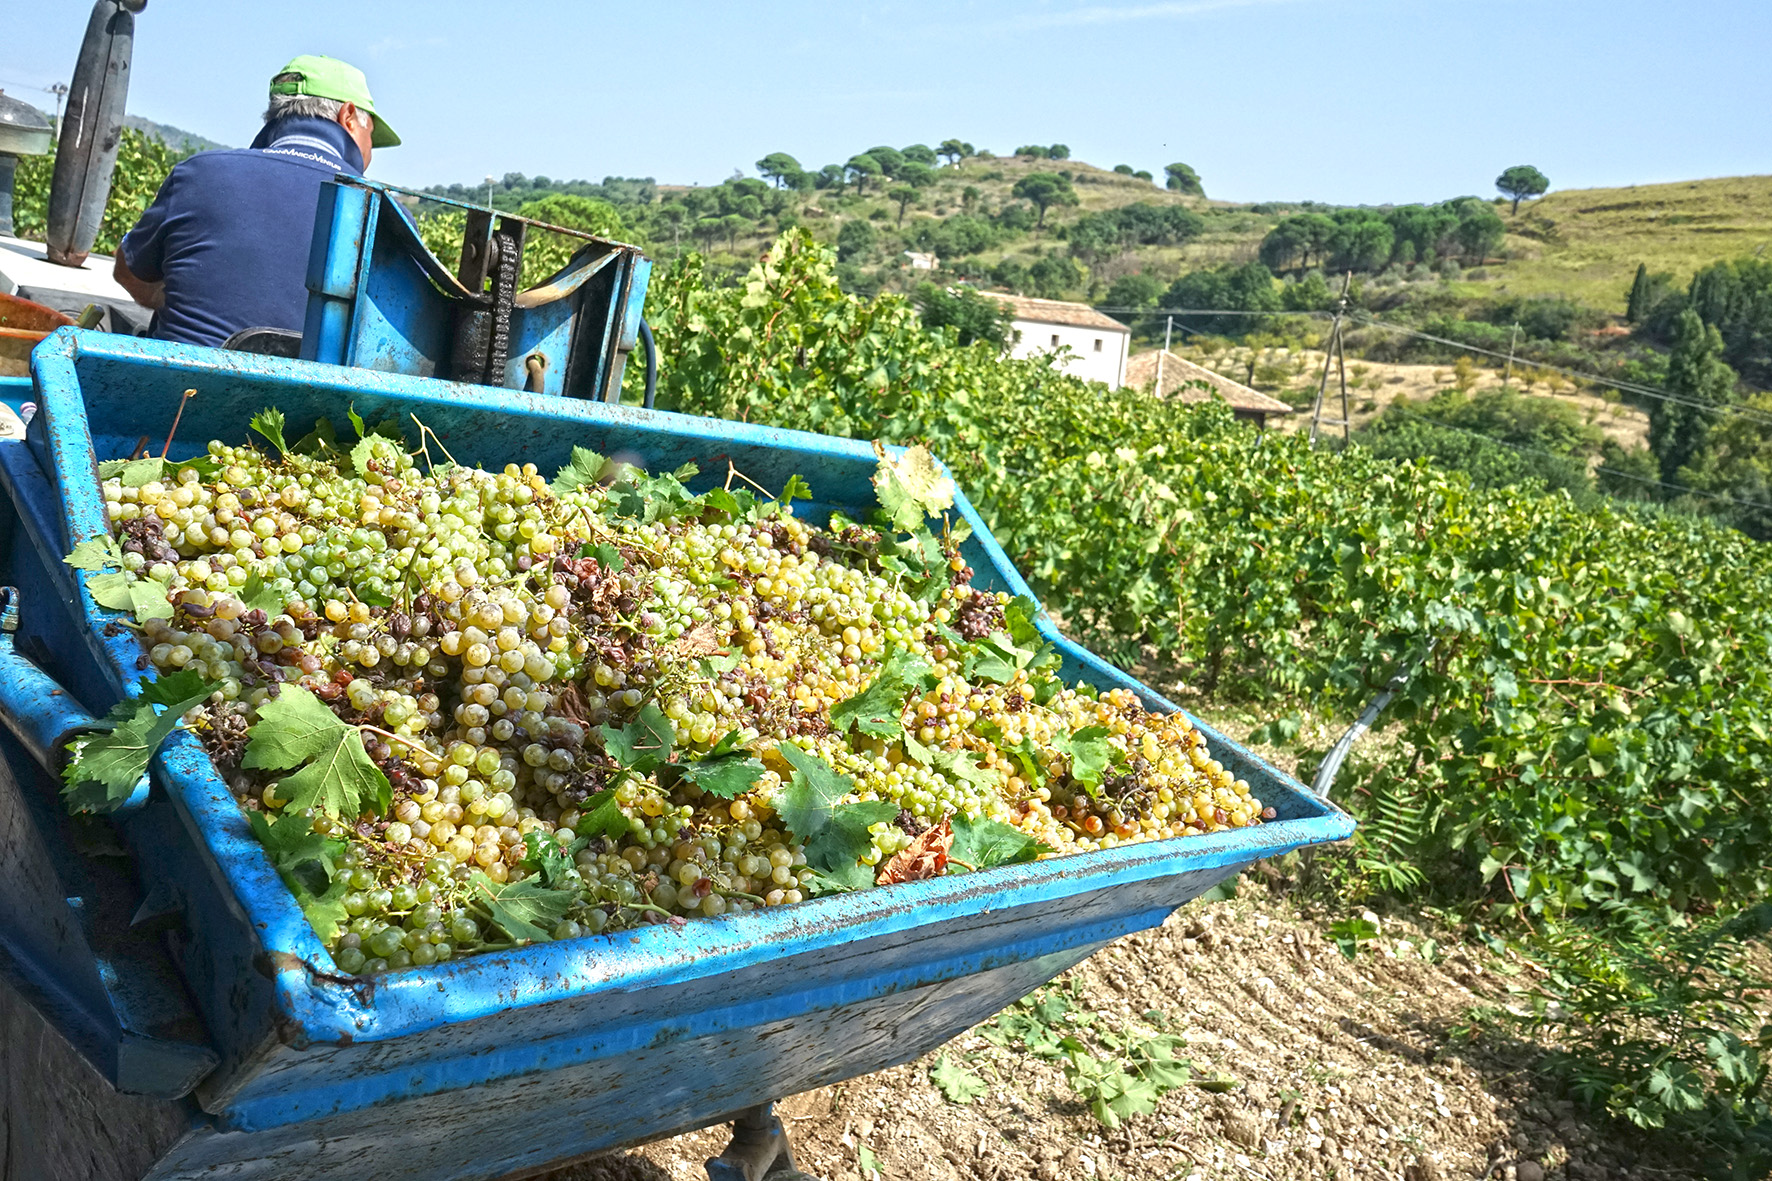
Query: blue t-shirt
x,y
229,232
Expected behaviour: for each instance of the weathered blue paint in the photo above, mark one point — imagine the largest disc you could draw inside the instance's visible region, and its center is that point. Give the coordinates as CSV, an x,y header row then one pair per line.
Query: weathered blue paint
x,y
380,300
566,1048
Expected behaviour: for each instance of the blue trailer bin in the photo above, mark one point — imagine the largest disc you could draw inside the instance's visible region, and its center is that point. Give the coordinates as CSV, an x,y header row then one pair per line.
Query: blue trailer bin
x,y
501,1063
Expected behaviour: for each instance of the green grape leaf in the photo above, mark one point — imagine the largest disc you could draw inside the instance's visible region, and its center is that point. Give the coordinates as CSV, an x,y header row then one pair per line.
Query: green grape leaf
x,y
837,850
738,506
258,595
719,664
326,912
305,858
207,467
608,557
374,598
526,911
296,729
133,473
323,438
1091,754
643,743
549,858
269,423
797,489
104,766
1019,622
123,591
876,710
601,816
653,498
984,843
584,468
724,774
911,487
956,764
96,554
370,448
806,802
955,1082
356,420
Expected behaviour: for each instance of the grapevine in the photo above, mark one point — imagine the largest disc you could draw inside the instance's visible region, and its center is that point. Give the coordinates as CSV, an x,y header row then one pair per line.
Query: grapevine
x,y
468,709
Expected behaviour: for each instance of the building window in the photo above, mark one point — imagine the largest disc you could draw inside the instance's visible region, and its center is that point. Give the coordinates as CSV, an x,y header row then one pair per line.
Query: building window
x,y
1055,340
1098,344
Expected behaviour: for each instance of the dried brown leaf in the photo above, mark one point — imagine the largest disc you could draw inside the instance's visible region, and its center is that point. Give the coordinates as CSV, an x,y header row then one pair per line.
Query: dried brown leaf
x,y
925,857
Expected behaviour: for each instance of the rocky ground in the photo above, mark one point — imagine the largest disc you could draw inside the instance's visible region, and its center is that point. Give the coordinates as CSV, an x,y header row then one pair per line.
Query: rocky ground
x,y
1314,1067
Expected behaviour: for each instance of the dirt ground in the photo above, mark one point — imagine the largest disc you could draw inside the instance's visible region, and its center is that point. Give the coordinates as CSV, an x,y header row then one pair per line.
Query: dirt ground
x,y
1342,1070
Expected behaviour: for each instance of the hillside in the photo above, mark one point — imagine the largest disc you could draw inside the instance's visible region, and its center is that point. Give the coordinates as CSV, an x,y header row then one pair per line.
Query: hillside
x,y
1586,243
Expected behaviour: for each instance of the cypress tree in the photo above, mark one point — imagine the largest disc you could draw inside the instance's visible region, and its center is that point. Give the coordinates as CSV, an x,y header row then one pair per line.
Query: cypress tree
x,y
1639,293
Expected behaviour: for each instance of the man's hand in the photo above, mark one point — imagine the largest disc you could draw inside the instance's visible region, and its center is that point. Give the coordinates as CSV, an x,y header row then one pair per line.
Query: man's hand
x,y
149,295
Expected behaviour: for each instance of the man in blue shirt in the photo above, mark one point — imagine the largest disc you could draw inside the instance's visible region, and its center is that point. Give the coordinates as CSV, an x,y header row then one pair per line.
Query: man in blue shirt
x,y
225,244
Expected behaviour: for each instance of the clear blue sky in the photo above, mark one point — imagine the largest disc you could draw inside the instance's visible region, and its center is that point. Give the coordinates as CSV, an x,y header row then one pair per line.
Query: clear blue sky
x,y
1349,101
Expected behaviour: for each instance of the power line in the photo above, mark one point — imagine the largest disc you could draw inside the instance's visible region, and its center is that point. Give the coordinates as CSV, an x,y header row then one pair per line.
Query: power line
x,y
1628,387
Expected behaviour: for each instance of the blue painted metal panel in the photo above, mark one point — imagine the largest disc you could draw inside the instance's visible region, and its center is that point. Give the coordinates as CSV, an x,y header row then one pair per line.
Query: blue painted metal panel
x,y
576,1046
380,300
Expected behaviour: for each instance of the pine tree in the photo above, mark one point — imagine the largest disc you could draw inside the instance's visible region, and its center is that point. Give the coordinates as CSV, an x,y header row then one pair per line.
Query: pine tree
x,y
1698,376
1639,292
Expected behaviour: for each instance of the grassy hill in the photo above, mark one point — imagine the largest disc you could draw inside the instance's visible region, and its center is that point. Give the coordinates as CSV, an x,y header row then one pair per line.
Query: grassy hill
x,y
1586,243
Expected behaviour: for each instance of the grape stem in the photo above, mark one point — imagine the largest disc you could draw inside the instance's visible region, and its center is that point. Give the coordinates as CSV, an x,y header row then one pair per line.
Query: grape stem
x,y
189,394
732,470
424,430
407,742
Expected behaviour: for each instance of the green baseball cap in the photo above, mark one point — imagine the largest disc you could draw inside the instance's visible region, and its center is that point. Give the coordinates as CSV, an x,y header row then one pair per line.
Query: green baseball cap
x,y
327,77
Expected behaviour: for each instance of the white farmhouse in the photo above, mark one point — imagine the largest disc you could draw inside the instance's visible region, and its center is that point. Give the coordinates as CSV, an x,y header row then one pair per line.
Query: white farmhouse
x,y
1098,343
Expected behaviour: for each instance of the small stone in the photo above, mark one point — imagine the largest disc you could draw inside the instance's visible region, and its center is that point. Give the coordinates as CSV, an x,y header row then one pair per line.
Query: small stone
x,y
1242,1128
1425,1168
1190,946
1528,1170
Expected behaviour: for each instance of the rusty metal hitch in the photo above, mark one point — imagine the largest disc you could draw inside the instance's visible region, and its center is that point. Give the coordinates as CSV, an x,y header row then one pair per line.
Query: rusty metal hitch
x,y
759,1150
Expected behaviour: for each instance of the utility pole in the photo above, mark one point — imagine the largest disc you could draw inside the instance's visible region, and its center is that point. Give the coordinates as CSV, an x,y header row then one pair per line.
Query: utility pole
x,y
1333,354
1511,342
1168,327
60,90
489,192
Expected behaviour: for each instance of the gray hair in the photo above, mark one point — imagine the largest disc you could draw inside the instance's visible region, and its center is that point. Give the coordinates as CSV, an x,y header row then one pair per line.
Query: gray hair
x,y
285,105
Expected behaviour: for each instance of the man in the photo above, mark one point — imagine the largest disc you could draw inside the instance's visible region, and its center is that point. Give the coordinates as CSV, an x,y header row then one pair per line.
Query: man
x,y
225,244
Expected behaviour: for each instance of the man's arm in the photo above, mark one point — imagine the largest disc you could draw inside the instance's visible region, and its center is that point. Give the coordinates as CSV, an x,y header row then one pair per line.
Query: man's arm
x,y
149,295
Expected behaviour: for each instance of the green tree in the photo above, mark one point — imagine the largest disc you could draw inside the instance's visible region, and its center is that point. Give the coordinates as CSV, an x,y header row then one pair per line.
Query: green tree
x,y
1521,181
1480,230
1136,291
1055,276
972,315
1044,190
1183,179
916,175
954,150
920,154
1035,151
1735,297
1701,381
1637,302
890,160
735,224
903,196
831,176
1058,152
860,167
1123,169
968,197
778,167
855,240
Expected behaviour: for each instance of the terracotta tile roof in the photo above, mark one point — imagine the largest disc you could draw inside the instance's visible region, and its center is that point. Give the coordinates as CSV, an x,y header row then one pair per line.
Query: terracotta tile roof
x,y
1179,376
1057,311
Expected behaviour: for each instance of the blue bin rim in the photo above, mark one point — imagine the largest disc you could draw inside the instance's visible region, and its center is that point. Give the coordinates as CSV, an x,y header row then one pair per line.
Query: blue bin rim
x,y
321,1007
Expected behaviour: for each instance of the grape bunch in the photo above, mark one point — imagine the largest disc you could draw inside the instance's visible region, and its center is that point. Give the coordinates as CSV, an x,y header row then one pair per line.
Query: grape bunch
x,y
559,708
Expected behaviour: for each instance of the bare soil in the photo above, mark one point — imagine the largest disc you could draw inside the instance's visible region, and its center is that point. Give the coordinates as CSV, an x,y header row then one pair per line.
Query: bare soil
x,y
1358,1069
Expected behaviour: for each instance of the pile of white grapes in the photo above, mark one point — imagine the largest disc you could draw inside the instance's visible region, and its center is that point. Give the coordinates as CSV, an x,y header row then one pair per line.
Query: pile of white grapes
x,y
482,630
